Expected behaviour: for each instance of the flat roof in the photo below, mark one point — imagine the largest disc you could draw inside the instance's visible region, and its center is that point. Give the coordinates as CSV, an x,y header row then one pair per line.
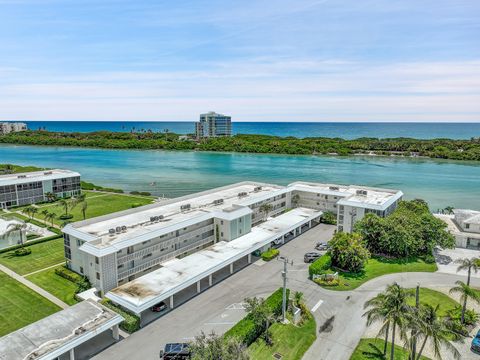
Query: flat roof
x,y
202,206
177,274
468,216
26,177
375,198
56,334
453,227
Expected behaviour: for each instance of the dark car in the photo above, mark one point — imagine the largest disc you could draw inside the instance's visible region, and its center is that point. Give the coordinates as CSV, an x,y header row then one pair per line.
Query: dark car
x,y
475,347
322,246
311,257
161,306
175,351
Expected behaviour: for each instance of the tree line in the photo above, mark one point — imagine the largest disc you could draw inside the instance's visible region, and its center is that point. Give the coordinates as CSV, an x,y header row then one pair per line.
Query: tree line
x,y
467,149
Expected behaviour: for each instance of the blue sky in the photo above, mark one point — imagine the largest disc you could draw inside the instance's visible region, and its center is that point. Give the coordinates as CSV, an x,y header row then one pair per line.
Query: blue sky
x,y
277,60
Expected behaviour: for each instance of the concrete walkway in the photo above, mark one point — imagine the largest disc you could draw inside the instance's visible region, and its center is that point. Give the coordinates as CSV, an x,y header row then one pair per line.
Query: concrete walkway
x,y
34,287
49,267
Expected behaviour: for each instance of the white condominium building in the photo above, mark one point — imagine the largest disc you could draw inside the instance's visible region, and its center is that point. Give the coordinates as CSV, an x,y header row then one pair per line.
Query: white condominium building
x,y
9,127
144,255
212,124
33,187
464,225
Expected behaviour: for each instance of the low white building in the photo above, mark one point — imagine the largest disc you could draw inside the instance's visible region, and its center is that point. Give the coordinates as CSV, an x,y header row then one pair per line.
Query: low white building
x,y
160,250
9,127
464,225
10,238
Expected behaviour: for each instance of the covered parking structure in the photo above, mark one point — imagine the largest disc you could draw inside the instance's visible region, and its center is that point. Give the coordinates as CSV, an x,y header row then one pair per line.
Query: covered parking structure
x,y
178,280
77,332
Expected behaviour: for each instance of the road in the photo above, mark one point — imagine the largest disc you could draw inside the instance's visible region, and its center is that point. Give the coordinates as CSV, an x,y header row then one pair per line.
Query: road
x,y
338,313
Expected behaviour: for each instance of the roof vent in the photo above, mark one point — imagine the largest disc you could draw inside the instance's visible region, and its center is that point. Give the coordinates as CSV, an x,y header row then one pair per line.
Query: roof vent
x,y
185,207
217,201
242,194
153,218
111,231
362,192
257,188
336,188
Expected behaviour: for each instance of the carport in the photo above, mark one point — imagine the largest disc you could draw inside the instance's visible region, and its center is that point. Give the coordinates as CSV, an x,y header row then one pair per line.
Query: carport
x,y
178,280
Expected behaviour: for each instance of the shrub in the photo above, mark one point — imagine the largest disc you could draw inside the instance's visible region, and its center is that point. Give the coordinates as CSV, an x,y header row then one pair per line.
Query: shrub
x,y
455,314
131,322
22,251
270,254
329,217
320,265
246,330
348,252
327,281
65,216
81,281
134,205
429,259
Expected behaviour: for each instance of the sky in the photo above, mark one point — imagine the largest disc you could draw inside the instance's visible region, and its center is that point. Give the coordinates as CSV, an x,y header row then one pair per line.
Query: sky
x,y
256,60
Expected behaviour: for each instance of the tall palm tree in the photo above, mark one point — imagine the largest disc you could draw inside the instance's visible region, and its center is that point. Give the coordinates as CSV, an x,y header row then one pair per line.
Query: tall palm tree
x,y
27,211
430,326
33,211
448,210
265,209
51,216
65,204
391,308
466,292
45,216
469,265
50,196
16,227
295,200
84,209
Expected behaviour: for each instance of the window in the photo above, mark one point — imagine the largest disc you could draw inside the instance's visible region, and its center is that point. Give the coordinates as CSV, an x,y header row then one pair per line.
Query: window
x,y
98,275
467,226
96,260
221,234
146,256
240,231
240,220
81,269
221,222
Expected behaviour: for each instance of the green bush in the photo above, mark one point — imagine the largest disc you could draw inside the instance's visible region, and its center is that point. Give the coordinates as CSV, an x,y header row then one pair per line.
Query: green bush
x,y
131,322
270,254
135,205
348,252
471,317
22,251
245,330
81,281
429,259
327,282
65,216
320,265
329,217
142,193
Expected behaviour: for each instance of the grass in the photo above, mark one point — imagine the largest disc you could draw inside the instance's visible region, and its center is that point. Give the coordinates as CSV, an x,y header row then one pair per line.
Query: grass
x,y
376,267
434,298
20,305
55,284
43,255
288,340
98,204
373,349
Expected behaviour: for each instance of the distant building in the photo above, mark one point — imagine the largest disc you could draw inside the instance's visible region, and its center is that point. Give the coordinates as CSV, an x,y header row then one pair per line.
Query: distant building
x,y
212,124
9,127
464,225
34,187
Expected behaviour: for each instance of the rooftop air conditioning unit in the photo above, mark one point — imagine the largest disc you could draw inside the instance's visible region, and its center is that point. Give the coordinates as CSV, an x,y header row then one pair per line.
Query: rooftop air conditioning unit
x,y
111,231
218,201
160,217
185,207
21,176
257,188
124,228
334,188
47,173
242,194
118,229
362,192
153,218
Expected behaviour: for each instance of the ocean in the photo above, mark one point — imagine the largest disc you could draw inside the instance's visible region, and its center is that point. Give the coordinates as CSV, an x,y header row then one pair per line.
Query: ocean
x,y
296,129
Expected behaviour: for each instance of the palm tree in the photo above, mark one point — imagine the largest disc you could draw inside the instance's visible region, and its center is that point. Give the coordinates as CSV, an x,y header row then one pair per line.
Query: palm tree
x,y
50,196
466,292
11,228
468,264
431,327
295,200
265,209
448,210
84,209
298,298
50,216
33,211
27,211
45,216
389,307
65,204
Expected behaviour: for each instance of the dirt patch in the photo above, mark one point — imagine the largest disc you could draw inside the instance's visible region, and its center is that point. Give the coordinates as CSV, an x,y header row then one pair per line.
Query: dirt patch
x,y
135,290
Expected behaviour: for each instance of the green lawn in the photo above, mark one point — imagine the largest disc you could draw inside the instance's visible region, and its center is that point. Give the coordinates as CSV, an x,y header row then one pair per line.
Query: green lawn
x,y
20,305
288,340
379,266
434,298
43,255
56,285
97,204
373,349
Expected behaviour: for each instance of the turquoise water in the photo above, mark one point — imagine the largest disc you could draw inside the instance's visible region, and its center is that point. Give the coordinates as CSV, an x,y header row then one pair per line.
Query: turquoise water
x,y
297,129
441,183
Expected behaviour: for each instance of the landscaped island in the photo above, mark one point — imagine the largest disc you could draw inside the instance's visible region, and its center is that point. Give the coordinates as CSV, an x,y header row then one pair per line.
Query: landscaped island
x,y
434,148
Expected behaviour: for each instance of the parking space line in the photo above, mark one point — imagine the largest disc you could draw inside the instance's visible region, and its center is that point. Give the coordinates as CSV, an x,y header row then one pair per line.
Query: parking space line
x,y
317,305
221,323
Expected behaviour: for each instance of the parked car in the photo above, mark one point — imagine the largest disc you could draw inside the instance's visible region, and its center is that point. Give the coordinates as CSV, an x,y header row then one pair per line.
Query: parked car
x,y
161,306
475,347
175,351
322,246
311,257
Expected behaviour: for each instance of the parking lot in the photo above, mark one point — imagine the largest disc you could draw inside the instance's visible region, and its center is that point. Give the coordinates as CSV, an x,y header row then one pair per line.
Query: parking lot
x,y
220,307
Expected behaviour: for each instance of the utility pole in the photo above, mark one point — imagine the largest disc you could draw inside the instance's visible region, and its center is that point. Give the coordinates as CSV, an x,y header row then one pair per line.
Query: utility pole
x,y
284,276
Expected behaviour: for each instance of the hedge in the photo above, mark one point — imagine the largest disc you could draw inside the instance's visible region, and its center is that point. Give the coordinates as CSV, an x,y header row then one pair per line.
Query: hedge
x,y
245,330
320,265
270,254
81,281
130,323
29,243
